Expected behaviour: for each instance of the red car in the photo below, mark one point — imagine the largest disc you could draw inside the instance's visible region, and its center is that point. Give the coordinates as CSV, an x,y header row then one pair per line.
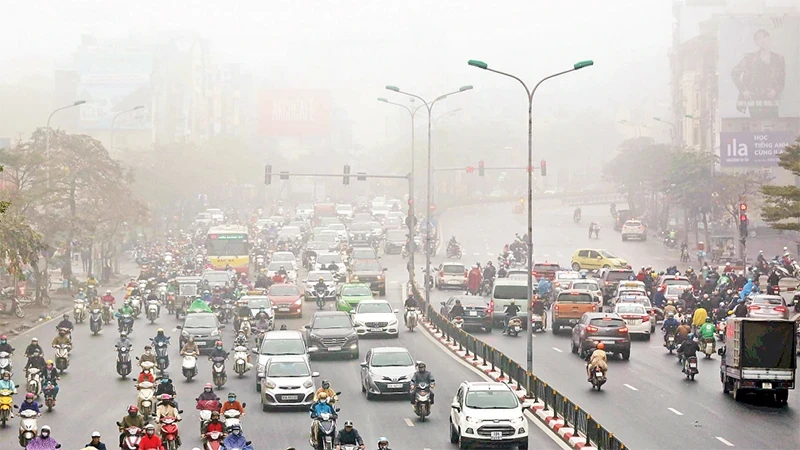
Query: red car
x,y
287,300
543,269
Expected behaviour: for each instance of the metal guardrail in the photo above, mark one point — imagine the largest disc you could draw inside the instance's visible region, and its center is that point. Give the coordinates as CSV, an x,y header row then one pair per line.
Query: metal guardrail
x,y
519,379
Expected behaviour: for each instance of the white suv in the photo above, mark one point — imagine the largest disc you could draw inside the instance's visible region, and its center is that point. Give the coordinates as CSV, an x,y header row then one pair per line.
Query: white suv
x,y
634,229
488,413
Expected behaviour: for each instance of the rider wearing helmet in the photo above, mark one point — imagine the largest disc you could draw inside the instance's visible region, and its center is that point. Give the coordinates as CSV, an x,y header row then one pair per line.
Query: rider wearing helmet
x,y
687,349
5,346
320,286
214,424
317,409
123,341
598,359
150,440
235,439
457,310
218,351
349,436
707,330
421,376
29,403
383,444
669,325
511,311
160,337
232,403
326,388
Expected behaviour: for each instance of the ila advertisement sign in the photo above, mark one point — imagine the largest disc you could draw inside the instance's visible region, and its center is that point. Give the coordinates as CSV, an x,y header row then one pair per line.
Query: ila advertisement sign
x,y
753,149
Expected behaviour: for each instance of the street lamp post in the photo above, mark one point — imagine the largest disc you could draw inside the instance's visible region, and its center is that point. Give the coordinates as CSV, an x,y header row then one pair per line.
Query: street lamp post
x,y
411,206
671,126
115,119
637,130
530,94
429,107
47,138
436,121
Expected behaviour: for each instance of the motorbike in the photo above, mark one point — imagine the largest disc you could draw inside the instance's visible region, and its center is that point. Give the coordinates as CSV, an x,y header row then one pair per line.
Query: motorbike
x,y
152,310
233,417
33,384
707,345
411,318
326,431
49,395
16,310
169,433
131,439
576,217
690,367
226,311
514,326
670,344
106,313
404,251
598,379
79,310
244,325
136,304
454,251
28,426
537,322
62,357
213,440
240,364
6,404
422,400
670,242
95,321
218,371
171,303
189,366
485,289
320,294
145,398
91,293
259,262
126,323
5,363
162,357
721,329
205,407
123,361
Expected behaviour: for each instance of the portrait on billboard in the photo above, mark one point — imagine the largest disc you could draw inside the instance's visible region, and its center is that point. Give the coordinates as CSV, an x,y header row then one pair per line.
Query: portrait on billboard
x,y
759,67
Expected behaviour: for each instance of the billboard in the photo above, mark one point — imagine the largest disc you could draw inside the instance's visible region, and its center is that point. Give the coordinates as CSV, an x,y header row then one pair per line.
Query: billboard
x,y
294,112
759,67
112,80
753,149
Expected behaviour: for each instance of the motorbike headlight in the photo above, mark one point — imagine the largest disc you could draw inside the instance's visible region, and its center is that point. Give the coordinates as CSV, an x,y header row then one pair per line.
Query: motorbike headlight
x,y
308,384
215,332
517,420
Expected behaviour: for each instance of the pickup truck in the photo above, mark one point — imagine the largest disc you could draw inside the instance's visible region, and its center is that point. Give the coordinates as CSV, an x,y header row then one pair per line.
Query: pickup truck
x,y
759,355
570,306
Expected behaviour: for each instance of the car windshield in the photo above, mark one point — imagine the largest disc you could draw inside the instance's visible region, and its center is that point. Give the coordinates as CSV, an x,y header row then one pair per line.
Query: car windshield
x,y
366,266
619,275
363,253
676,282
283,290
607,322
343,208
317,245
632,223
568,276
574,297
491,400
200,320
255,303
396,235
373,308
326,237
453,269
314,277
675,290
776,301
217,277
289,232
545,267
508,292
282,257
329,258
392,359
630,308
336,321
360,227
288,369
587,285
356,291
275,347
337,227
275,266
187,289
605,254
374,225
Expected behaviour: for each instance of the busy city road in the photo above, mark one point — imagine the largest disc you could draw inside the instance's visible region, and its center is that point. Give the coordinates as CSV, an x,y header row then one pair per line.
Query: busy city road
x,y
94,397
647,402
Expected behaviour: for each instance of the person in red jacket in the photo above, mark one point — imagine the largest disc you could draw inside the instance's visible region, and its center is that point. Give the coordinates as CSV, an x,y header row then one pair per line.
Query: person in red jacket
x,y
108,299
150,440
474,279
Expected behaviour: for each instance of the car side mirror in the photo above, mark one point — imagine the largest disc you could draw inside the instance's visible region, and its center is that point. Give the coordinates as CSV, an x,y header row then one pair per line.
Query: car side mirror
x,y
307,327
527,404
221,327
456,406
721,351
254,350
180,327
314,374
442,303
248,442
337,409
364,365
599,257
396,311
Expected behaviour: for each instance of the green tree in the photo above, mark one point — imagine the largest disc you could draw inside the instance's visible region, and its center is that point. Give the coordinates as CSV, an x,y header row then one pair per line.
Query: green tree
x,y
782,203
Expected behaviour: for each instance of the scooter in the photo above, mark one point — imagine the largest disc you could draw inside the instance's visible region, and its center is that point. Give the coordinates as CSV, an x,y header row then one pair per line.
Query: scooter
x,y
233,417
34,382
79,310
95,321
218,371
5,363
537,322
454,251
133,435
320,298
458,322
126,323
240,364
7,310
598,379
145,399
690,367
6,405
169,433
422,401
123,361
189,366
244,325
136,304
205,407
152,310
670,344
28,426
62,357
411,319
514,326
162,357
213,440
708,347
326,431
49,395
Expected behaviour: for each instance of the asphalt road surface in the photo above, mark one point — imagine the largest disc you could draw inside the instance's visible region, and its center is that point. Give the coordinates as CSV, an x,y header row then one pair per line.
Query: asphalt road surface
x,y
94,397
647,402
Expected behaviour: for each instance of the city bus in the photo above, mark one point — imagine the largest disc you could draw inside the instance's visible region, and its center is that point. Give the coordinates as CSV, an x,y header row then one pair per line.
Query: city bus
x,y
227,245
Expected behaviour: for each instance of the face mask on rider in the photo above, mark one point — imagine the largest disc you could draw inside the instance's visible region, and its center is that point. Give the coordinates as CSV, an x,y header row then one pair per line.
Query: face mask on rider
x,y
45,434
237,432
231,399
324,400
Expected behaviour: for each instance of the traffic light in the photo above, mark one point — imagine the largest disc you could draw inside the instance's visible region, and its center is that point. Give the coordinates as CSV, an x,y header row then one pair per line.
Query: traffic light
x,y
362,176
480,168
470,169
743,221
268,174
346,177
543,167
284,175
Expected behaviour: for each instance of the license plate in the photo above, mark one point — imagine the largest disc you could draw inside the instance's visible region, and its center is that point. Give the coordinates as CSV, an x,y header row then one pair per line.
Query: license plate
x,y
200,343
692,365
334,349
283,309
291,397
497,435
473,313
632,321
766,385
394,386
453,282
375,329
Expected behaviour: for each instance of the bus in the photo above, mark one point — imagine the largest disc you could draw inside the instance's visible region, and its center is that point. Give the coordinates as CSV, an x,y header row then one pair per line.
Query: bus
x,y
227,245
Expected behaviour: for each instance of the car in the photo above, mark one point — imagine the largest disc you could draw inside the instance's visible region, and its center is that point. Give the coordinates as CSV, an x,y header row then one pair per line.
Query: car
x,y
596,327
518,274
318,246
360,218
477,311
360,234
326,259
585,284
216,278
217,215
656,314
331,237
675,291
328,221
394,223
671,280
623,215
376,229
256,302
344,211
287,300
545,269
289,266
288,382
634,229
562,279
319,229
304,210
610,278
765,306
488,414
203,220
204,327
290,234
387,371
278,343
587,258
504,292
380,211
395,241
351,294
451,274
636,317
313,278
341,231
376,317
569,307
283,257
359,253
332,332
369,271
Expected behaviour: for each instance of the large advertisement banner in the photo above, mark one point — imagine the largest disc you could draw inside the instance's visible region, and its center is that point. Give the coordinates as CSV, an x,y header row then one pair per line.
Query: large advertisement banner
x,y
294,112
753,149
112,81
759,67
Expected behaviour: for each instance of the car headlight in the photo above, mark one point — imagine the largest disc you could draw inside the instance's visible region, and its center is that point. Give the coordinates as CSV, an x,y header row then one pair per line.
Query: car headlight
x,y
380,277
260,369
299,301
269,384
393,323
308,384
473,420
517,420
215,332
359,324
185,333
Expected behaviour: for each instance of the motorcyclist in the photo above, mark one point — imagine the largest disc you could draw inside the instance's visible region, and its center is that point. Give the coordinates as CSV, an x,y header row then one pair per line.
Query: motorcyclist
x,y
326,389
29,404
457,310
489,271
126,310
421,376
190,347
598,359
511,311
66,323
91,281
748,288
317,409
62,338
148,355
146,375
262,326
659,299
214,424
160,337
232,403
282,272
166,408
537,308
208,394
242,312
165,386
81,295
349,436
43,440
699,318
236,439
452,243
108,299
669,326
5,346
708,330
474,279
150,440
218,351
132,419
96,441
6,383
411,302
576,214
37,361
502,272
687,349
383,443
123,341
50,375
544,288
320,286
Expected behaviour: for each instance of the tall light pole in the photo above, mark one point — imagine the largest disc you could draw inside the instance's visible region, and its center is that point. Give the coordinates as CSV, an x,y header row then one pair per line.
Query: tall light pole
x,y
450,113
115,119
637,129
671,128
47,136
411,203
530,94
429,107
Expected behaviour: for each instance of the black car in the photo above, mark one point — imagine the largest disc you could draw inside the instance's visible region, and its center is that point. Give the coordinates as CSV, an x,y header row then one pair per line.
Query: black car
x,y
395,240
596,327
477,313
369,271
331,332
360,235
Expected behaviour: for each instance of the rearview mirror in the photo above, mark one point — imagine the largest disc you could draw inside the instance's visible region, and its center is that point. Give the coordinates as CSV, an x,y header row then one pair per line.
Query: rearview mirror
x,y
364,364
336,409
180,327
307,327
442,303
254,350
314,374
527,404
396,311
456,406
384,269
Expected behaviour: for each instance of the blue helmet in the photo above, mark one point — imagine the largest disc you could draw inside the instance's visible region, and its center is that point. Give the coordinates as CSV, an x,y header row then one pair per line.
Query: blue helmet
x,y
690,336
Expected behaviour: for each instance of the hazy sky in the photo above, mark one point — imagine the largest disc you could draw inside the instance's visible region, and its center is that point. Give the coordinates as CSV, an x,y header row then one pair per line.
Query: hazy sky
x,y
357,47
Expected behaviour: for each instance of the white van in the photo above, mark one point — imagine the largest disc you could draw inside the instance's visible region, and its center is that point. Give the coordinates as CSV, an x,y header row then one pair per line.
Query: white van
x,y
503,292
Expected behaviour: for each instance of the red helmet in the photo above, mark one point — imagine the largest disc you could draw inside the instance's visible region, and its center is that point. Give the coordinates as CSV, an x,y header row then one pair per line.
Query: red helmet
x,y
601,346
133,409
208,386
218,343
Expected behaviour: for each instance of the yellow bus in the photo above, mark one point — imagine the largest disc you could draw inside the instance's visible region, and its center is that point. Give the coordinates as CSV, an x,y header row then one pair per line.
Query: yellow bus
x,y
227,245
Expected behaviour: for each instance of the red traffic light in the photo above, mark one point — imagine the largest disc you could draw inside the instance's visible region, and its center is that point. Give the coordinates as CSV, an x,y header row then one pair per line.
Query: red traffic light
x,y
470,169
743,218
480,163
411,201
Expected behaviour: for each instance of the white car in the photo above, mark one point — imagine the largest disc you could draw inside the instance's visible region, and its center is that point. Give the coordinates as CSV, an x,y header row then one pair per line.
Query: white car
x,y
283,257
344,210
255,303
488,413
340,229
327,258
288,381
313,278
216,215
376,317
636,317
289,266
278,343
634,229
562,279
588,285
305,210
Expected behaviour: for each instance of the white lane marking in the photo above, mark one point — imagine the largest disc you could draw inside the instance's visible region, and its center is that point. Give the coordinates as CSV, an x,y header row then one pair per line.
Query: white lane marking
x,y
546,255
490,254
675,411
476,254
558,350
408,421
630,387
721,439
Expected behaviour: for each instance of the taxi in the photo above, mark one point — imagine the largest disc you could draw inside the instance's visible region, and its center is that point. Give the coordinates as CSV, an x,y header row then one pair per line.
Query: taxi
x,y
588,258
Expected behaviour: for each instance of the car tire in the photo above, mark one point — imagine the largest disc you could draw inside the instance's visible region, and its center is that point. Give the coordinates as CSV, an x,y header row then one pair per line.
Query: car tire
x,y
382,292
606,266
461,444
626,355
368,395
453,434
576,267
556,328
